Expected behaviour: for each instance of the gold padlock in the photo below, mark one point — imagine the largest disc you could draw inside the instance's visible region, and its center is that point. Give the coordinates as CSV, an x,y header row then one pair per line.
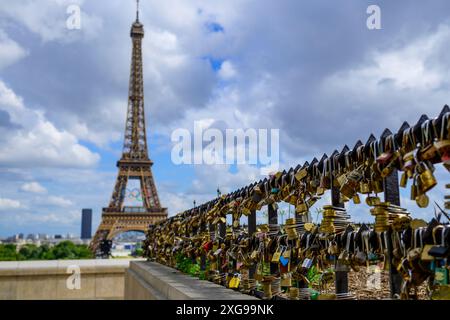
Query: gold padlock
x,y
320,191
377,186
364,187
344,198
356,199
404,180
348,188
301,208
372,200
293,200
301,174
341,179
422,200
427,179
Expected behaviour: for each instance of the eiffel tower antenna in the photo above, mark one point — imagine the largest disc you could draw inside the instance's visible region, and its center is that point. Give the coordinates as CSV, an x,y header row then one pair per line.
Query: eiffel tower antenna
x,y
137,10
134,164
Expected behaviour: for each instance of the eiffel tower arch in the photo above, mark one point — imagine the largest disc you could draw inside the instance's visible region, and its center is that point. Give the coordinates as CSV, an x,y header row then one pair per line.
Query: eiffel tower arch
x,y
134,164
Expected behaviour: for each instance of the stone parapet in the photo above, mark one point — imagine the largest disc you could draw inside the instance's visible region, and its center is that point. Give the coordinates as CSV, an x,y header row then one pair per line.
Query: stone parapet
x,y
35,280
146,280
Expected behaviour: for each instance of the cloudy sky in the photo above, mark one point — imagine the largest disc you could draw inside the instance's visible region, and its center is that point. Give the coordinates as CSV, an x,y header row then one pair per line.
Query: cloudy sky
x,y
309,68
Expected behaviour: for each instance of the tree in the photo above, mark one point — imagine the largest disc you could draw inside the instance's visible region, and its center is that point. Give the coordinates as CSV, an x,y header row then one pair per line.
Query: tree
x,y
83,252
138,252
63,250
8,252
29,252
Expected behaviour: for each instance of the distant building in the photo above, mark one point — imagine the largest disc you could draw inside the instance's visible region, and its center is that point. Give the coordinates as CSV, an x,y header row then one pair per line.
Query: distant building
x,y
43,236
32,236
86,223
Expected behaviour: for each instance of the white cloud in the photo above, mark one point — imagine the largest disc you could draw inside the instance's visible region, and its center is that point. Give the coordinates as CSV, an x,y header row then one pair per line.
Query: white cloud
x,y
39,142
59,201
274,85
175,202
66,218
404,68
104,126
227,70
6,203
48,19
417,72
59,219
10,51
33,187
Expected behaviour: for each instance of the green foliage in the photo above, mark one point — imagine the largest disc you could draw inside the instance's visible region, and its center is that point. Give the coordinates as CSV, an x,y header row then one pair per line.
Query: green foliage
x,y
313,276
194,269
139,252
188,266
202,275
183,263
8,252
68,250
63,250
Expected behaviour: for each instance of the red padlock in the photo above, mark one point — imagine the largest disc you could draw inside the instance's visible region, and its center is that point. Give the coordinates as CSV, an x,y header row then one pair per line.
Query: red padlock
x,y
207,246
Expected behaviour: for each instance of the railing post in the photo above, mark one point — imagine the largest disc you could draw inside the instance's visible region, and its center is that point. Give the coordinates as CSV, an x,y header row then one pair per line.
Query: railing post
x,y
341,270
251,232
273,219
392,195
212,232
235,218
222,231
203,256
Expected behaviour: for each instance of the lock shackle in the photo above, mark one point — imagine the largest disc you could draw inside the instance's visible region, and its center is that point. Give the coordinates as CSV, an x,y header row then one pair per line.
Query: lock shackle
x,y
373,151
426,133
360,154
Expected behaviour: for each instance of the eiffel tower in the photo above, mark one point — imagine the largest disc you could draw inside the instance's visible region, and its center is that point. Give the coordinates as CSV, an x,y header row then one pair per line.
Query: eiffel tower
x,y
134,163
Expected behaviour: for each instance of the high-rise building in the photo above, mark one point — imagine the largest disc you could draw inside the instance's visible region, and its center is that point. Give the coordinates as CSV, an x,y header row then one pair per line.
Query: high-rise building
x,y
86,223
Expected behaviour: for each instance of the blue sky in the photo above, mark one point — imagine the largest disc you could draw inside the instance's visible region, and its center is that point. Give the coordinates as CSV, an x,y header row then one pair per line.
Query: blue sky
x,y
309,68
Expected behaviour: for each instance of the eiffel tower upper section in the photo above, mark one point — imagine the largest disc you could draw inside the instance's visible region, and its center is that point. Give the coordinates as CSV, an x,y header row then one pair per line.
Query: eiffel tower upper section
x,y
135,143
135,162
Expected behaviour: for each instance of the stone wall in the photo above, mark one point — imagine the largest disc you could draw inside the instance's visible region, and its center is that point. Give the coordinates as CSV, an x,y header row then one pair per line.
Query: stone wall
x,y
152,281
98,279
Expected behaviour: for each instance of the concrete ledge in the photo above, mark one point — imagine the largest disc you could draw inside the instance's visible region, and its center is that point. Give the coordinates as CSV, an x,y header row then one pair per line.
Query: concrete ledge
x,y
22,268
33,280
152,281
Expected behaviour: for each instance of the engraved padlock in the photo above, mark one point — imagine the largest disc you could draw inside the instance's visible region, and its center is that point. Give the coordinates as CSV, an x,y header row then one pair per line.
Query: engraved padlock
x,y
364,187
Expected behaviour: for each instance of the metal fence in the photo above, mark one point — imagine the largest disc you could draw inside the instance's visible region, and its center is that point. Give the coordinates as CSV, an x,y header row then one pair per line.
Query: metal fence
x,y
282,262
